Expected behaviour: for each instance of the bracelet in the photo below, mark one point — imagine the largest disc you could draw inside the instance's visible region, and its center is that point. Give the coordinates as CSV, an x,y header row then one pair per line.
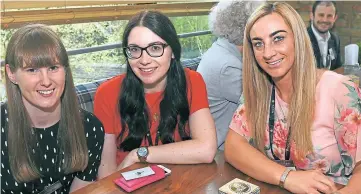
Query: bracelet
x,y
284,176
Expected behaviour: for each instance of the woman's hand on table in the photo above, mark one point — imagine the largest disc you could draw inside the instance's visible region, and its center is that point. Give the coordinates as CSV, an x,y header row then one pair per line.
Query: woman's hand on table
x,y
310,182
130,159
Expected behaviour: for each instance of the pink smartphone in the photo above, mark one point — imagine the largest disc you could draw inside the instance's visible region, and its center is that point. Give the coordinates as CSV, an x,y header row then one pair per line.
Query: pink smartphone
x,y
167,171
131,185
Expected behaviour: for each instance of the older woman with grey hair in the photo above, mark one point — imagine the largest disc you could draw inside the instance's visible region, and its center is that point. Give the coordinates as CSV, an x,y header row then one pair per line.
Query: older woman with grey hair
x,y
221,65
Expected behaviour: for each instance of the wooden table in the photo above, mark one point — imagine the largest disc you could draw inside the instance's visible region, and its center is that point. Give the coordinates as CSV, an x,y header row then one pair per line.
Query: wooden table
x,y
193,179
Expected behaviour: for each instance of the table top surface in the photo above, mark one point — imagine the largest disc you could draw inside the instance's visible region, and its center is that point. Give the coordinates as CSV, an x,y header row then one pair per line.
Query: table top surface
x,y
193,178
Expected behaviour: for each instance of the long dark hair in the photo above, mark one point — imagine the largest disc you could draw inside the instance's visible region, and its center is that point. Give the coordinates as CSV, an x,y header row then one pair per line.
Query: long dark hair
x,y
37,45
174,108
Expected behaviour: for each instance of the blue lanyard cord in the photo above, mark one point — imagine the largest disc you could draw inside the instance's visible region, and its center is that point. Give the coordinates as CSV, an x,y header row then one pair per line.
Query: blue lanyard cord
x,y
271,123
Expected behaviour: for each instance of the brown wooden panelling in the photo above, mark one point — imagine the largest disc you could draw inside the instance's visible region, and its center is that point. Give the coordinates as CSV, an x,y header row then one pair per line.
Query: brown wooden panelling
x,y
26,4
14,19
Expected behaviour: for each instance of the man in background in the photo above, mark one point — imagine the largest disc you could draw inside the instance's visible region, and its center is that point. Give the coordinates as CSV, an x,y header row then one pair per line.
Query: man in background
x,y
326,44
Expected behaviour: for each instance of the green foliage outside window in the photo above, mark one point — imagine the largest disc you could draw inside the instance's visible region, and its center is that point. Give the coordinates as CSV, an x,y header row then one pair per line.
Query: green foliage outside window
x,y
102,64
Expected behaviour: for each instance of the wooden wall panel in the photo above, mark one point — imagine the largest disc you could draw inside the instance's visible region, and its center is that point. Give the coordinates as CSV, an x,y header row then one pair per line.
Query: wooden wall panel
x,y
54,12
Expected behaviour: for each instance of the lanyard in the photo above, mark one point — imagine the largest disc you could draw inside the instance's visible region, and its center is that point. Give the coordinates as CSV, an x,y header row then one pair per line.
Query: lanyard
x,y
271,123
149,137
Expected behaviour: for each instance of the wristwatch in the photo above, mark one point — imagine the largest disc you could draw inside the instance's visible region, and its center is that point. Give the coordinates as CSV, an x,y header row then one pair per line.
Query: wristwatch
x,y
143,153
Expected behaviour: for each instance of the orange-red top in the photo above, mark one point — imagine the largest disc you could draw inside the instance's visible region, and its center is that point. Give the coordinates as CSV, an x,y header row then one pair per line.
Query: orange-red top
x,y
107,97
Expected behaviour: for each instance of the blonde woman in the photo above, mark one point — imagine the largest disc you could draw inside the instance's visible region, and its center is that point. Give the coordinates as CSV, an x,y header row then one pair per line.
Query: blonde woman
x,y
293,116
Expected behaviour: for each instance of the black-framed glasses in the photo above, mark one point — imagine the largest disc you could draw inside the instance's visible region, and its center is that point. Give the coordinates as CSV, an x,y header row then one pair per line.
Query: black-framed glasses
x,y
153,50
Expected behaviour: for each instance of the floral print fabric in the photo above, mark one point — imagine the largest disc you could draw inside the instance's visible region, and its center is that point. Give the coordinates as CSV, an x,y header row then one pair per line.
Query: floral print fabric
x,y
336,131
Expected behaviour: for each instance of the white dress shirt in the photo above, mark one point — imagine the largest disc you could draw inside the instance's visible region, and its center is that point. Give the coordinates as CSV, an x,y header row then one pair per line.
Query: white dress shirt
x,y
322,44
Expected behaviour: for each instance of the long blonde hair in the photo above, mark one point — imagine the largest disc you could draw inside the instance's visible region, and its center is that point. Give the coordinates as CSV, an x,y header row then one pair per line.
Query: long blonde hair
x,y
37,45
257,83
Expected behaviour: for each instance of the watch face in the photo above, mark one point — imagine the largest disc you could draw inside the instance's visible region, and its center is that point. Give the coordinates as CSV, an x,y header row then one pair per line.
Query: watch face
x,y
142,151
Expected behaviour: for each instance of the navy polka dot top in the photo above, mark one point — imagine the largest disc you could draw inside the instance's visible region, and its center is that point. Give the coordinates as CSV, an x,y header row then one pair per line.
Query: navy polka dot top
x,y
47,156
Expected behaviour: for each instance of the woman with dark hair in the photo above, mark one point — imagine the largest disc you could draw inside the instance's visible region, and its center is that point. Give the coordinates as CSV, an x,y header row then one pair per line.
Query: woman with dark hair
x,y
149,112
47,143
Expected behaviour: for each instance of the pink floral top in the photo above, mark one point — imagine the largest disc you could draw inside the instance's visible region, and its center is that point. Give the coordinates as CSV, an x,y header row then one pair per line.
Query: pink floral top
x,y
336,131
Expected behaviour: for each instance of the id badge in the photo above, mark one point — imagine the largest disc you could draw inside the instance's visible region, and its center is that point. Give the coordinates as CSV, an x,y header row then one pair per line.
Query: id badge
x,y
332,54
287,163
51,188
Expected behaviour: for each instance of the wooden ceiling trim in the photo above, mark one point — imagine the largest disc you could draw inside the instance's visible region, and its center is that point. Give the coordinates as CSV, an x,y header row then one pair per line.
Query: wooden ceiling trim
x,y
14,19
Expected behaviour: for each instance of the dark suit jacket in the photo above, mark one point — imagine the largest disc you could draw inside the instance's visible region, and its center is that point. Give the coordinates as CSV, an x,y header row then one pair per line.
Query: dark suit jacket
x,y
333,42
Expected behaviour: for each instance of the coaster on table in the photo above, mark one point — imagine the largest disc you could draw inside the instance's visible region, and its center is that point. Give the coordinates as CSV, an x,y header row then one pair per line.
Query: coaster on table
x,y
238,186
